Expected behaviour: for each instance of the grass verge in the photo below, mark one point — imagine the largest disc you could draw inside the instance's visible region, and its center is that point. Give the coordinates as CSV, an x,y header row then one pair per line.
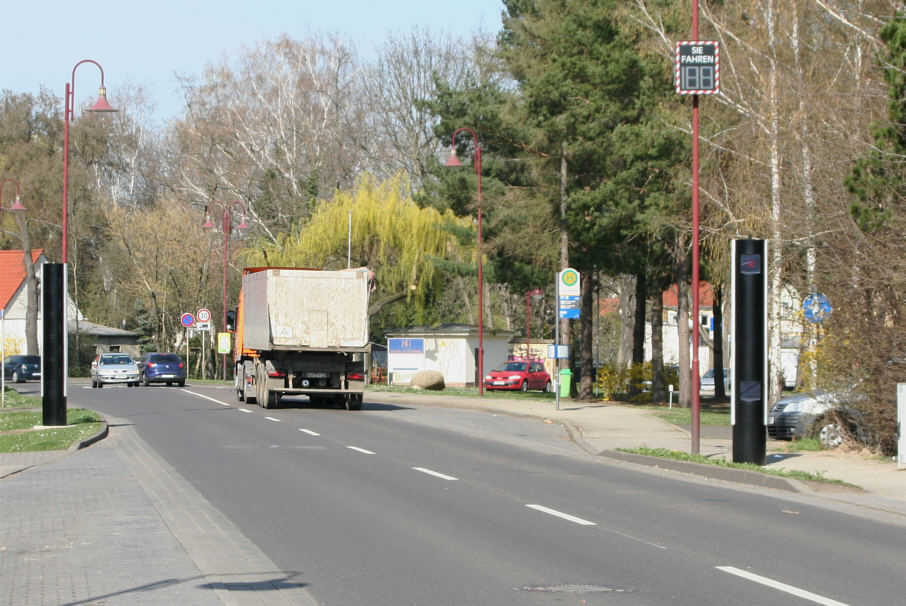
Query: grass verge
x,y
697,458
18,433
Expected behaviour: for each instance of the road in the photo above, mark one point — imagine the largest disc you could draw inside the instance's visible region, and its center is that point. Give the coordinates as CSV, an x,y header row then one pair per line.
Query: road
x,y
395,505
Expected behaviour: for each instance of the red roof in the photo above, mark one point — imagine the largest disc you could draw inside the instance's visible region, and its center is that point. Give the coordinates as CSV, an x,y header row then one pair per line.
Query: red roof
x,y
669,298
12,273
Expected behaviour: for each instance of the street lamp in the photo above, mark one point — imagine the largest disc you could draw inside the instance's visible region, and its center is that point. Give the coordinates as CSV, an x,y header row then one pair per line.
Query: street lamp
x,y
536,295
55,360
225,225
476,162
100,106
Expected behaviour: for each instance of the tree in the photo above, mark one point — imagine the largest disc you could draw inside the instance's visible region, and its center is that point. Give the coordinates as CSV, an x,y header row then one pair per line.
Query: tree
x,y
391,235
276,130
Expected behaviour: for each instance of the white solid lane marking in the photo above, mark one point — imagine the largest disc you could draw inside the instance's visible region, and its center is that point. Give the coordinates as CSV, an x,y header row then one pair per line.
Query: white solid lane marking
x,y
245,410
309,432
200,395
560,514
807,595
273,419
361,450
435,474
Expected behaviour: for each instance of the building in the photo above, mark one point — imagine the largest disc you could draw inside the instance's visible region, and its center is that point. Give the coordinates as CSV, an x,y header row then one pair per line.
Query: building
x,y
451,349
13,303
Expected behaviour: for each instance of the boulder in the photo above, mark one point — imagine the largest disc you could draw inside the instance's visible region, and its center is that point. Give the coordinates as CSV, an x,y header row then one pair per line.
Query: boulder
x,y
428,379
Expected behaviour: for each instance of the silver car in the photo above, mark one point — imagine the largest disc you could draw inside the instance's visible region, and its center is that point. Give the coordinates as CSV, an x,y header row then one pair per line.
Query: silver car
x,y
114,368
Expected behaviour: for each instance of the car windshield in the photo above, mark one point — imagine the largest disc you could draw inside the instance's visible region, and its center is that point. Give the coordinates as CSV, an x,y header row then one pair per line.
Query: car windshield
x,y
117,360
512,366
31,359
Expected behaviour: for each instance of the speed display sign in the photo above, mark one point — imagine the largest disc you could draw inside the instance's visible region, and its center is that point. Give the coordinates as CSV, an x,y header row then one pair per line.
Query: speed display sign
x,y
697,67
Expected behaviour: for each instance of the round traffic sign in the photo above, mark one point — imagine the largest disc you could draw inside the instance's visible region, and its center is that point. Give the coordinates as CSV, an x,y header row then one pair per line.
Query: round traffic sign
x,y
187,320
203,315
817,307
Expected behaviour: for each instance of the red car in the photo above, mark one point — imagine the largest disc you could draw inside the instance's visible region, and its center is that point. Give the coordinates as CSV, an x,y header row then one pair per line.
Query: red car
x,y
520,376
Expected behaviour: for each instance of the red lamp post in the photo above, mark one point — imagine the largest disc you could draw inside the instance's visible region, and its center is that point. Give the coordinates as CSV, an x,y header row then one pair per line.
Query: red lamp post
x,y
476,162
100,106
535,294
225,225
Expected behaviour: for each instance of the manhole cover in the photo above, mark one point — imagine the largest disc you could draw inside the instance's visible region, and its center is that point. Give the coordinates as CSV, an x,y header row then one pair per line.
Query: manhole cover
x,y
577,588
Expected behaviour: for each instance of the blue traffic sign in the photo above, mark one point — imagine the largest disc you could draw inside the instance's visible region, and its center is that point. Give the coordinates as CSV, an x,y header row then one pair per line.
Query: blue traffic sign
x,y
187,320
816,308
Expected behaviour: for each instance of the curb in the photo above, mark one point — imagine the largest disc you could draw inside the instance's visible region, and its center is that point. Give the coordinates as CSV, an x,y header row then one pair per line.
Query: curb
x,y
728,474
97,437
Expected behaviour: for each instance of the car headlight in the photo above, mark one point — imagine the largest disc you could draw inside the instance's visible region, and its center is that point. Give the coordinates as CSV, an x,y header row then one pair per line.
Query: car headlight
x,y
514,377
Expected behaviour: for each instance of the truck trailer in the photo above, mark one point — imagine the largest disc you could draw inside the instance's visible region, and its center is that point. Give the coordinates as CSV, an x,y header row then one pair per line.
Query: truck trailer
x,y
301,332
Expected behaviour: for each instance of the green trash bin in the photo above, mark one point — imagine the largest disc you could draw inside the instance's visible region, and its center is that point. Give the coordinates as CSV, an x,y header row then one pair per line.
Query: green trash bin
x,y
566,379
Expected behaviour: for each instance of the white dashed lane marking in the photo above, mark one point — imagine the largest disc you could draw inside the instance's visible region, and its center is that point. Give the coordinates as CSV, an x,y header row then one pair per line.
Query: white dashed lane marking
x,y
436,474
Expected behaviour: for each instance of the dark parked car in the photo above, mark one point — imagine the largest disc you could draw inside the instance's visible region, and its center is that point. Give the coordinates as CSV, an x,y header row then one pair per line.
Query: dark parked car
x,y
19,368
520,376
825,415
157,367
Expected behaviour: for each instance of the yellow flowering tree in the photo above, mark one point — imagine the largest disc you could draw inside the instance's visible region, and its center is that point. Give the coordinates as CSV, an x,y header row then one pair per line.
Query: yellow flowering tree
x,y
391,235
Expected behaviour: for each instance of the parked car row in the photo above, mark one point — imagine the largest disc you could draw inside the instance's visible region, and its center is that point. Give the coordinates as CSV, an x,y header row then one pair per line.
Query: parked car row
x,y
154,367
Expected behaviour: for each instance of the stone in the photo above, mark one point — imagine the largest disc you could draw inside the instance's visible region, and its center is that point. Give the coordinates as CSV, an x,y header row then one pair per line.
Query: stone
x,y
428,379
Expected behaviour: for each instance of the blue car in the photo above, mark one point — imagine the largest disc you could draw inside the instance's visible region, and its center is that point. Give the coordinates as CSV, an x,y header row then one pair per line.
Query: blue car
x,y
157,367
19,368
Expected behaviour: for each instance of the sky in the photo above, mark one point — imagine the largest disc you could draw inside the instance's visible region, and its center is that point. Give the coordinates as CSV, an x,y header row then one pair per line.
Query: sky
x,y
146,43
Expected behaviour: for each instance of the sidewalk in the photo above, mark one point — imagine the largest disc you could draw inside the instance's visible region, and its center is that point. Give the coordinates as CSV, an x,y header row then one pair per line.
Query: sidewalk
x,y
114,524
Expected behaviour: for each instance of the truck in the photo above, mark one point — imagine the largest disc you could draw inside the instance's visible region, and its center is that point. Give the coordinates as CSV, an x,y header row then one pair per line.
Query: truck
x,y
300,331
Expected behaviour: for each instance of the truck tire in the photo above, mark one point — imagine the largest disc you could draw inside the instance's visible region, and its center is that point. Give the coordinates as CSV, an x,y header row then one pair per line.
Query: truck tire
x,y
354,401
266,397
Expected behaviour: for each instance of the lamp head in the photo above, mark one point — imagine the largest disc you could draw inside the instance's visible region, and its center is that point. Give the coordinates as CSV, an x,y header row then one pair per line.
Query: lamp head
x,y
17,204
208,224
243,224
453,160
101,104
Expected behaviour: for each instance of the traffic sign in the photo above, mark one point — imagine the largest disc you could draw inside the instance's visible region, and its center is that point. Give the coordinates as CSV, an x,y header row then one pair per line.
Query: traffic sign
x,y
187,320
697,70
568,282
203,315
817,308
203,326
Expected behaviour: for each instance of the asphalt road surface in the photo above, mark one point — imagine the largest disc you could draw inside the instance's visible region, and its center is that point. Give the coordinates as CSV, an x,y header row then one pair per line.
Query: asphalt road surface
x,y
394,506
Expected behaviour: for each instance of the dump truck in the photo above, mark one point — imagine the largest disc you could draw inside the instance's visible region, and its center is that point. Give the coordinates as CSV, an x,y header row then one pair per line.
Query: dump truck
x,y
300,331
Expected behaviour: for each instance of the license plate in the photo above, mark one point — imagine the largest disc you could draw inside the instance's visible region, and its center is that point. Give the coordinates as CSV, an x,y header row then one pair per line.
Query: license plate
x,y
168,376
498,383
770,420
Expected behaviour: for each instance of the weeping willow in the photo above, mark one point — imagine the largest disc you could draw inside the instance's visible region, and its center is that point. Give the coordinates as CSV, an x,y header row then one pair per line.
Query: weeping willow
x,y
390,235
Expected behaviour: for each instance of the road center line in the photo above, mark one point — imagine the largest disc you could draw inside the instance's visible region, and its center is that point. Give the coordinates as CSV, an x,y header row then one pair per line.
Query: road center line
x,y
807,595
309,432
274,419
560,514
361,450
435,474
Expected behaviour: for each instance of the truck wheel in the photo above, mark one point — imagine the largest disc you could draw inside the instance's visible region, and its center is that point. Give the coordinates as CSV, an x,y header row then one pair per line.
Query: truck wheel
x,y
266,397
354,401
